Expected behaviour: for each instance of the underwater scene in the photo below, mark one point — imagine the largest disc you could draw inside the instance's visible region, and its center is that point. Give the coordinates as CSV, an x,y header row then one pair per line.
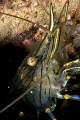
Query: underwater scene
x,y
39,59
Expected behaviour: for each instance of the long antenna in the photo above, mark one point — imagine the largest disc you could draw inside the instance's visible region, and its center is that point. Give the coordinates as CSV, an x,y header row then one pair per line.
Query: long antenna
x,y
39,1
35,24
25,93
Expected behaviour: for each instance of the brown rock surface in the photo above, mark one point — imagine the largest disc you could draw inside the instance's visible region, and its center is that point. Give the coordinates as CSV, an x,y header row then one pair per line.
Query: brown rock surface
x,y
30,9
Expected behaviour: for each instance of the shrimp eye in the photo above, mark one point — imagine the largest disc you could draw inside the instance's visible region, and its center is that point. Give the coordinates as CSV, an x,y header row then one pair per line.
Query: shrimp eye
x,y
32,61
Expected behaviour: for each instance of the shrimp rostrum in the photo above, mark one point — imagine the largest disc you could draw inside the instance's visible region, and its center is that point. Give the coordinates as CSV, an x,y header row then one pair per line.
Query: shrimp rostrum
x,y
45,72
